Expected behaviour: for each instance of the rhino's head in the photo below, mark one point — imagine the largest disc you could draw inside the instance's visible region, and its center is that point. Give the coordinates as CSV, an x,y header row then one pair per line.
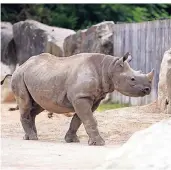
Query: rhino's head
x,y
128,81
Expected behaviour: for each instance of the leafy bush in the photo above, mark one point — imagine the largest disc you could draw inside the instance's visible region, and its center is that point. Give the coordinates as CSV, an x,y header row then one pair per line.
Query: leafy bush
x,y
80,16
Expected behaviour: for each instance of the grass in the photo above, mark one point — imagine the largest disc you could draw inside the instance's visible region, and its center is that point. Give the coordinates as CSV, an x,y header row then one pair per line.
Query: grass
x,y
109,106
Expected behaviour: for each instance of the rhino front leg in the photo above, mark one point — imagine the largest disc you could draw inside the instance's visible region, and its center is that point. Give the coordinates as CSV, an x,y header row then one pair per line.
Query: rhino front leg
x,y
83,108
71,135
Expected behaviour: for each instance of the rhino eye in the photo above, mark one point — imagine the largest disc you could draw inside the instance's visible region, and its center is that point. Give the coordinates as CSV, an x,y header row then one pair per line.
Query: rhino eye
x,y
132,79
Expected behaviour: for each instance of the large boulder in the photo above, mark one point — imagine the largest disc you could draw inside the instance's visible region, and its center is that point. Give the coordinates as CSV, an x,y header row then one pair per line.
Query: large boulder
x,y
162,86
8,60
98,38
6,91
32,38
168,83
8,50
148,149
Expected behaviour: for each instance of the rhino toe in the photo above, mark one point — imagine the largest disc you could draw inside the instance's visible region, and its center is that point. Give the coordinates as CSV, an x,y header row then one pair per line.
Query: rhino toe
x,y
98,141
30,137
69,138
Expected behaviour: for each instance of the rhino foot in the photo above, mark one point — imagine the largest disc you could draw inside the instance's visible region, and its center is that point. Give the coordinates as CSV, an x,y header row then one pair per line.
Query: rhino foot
x,y
98,141
30,137
71,138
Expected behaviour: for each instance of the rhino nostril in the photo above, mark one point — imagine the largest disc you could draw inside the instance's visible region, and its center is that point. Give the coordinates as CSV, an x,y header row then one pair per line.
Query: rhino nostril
x,y
147,89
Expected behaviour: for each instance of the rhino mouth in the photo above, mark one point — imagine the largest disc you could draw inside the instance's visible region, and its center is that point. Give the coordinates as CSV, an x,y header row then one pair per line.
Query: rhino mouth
x,y
143,91
143,94
140,93
132,94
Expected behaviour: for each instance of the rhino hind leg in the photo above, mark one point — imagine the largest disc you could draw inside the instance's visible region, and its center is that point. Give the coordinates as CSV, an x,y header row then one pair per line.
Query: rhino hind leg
x,y
27,121
33,113
71,135
27,118
28,111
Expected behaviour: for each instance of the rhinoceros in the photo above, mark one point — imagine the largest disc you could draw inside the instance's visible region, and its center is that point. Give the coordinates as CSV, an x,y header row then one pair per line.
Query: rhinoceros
x,y
73,84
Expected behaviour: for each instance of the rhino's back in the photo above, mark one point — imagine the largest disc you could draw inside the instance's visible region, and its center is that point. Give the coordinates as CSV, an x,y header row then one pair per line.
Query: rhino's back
x,y
46,62
52,61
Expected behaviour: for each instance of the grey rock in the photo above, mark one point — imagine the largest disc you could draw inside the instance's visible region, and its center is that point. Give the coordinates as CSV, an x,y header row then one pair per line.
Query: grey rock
x,y
8,50
164,83
148,149
32,38
168,82
96,39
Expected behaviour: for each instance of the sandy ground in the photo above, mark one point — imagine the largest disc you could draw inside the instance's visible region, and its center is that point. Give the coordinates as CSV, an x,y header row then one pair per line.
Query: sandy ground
x,y
51,151
18,154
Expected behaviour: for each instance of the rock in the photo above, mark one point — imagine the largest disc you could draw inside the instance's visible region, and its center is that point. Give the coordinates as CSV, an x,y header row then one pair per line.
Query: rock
x,y
168,83
162,86
32,38
8,51
6,92
98,38
148,149
8,60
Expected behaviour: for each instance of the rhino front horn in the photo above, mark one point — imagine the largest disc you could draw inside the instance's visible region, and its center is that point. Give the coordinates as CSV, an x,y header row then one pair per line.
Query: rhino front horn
x,y
151,75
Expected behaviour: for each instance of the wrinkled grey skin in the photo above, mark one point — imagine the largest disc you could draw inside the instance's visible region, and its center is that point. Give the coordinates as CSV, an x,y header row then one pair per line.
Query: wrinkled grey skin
x,y
73,84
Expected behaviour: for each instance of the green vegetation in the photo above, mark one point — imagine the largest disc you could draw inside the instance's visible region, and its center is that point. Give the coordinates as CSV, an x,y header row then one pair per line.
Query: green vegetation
x,y
80,16
109,106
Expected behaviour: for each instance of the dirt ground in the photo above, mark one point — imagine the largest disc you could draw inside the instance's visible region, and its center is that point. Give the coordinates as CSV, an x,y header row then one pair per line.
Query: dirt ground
x,y
51,151
115,126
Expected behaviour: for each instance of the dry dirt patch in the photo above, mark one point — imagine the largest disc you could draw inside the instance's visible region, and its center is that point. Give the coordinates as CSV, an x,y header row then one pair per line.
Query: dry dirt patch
x,y
51,152
115,126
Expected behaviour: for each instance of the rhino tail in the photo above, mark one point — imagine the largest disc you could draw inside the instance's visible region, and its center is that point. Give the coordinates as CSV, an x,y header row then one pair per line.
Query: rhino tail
x,y
2,81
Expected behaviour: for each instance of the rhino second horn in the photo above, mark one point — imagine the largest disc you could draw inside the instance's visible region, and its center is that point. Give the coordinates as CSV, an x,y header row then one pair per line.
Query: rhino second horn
x,y
150,75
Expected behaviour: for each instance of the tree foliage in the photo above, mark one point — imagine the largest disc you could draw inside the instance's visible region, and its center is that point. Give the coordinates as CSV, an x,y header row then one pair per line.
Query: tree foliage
x,y
80,16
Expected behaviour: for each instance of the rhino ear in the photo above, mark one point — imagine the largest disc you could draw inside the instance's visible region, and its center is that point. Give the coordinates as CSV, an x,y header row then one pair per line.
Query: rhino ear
x,y
127,57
